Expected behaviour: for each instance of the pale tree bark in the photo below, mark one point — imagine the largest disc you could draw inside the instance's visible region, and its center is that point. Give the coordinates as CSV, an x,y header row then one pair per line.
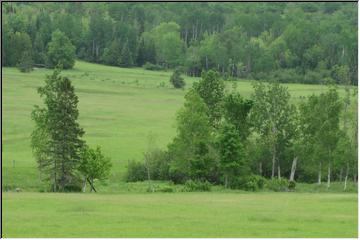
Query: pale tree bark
x,y
273,162
260,168
84,185
346,176
293,169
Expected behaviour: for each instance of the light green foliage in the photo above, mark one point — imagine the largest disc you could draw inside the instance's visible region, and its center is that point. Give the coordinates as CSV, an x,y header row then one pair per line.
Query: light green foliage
x,y
94,165
211,89
222,215
60,51
272,117
190,148
169,47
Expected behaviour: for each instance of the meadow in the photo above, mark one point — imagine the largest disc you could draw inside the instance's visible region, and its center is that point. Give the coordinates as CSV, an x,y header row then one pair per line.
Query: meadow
x,y
180,215
118,108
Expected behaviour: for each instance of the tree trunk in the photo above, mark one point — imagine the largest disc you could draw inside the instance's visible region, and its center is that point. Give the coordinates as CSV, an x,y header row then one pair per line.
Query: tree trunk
x,y
260,168
319,176
273,163
346,175
84,185
92,184
226,181
293,169
329,175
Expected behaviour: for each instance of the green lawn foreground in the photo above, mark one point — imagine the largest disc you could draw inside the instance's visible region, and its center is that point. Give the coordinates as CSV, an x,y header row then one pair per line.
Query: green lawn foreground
x,y
180,215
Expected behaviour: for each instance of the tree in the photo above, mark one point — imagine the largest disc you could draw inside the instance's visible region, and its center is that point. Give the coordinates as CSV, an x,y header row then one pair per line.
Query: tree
x,y
236,112
232,155
126,59
272,117
26,62
94,165
192,143
211,89
176,80
60,51
57,121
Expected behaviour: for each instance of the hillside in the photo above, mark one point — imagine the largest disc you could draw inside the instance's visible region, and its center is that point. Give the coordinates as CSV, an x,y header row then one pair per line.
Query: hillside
x,y
118,108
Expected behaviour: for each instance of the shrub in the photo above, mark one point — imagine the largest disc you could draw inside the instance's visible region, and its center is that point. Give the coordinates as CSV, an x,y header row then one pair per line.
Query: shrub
x,y
136,171
254,183
152,67
292,185
197,186
176,80
166,189
277,185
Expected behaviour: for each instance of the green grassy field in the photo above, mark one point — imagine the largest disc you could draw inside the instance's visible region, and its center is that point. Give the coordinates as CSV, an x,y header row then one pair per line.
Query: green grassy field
x,y
118,108
180,215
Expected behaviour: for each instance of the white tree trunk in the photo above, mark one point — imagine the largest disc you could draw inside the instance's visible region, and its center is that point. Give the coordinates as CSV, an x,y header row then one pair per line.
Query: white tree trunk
x,y
278,170
346,176
260,168
84,185
273,163
293,169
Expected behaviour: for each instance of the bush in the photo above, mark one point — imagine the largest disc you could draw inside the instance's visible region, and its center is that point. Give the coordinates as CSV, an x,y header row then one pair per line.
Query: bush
x,y
152,67
176,80
136,172
166,189
277,185
197,186
254,183
292,185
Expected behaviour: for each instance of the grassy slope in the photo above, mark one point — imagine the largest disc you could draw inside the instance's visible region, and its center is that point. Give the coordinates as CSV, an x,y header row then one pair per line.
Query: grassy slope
x,y
180,215
118,108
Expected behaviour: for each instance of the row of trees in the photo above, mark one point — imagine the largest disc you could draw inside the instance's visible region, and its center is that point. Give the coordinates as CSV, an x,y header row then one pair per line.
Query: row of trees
x,y
64,159
297,42
224,138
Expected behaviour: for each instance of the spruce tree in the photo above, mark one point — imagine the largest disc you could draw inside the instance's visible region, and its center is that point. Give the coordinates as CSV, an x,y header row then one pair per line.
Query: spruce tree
x,y
58,122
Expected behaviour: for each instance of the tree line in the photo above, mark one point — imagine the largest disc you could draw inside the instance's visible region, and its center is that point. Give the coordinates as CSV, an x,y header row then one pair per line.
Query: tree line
x,y
223,138
287,42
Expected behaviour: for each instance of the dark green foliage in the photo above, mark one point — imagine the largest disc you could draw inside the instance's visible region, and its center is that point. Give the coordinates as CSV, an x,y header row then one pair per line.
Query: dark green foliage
x,y
232,155
292,185
176,80
152,67
26,62
197,186
252,183
286,42
60,51
277,185
166,189
56,140
236,112
211,89
136,171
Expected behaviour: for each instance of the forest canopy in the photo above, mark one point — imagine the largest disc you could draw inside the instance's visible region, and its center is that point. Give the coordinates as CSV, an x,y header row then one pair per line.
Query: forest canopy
x,y
288,42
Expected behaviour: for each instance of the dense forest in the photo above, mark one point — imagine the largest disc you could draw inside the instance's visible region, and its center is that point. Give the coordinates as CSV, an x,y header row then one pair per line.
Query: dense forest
x,y
288,42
